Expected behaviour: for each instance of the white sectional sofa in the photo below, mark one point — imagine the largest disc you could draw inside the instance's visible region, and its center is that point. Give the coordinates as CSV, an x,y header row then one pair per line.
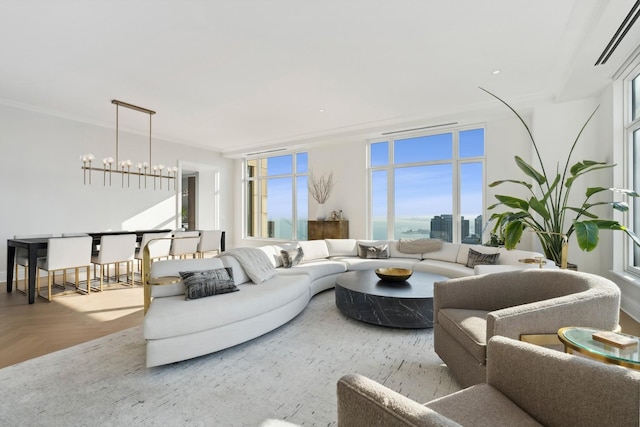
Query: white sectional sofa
x,y
177,329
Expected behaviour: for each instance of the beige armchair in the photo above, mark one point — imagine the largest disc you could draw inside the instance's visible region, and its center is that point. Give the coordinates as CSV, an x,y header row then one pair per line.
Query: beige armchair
x,y
516,304
527,385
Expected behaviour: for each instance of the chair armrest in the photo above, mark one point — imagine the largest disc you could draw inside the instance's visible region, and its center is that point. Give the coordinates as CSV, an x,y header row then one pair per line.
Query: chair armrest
x,y
593,309
364,402
561,389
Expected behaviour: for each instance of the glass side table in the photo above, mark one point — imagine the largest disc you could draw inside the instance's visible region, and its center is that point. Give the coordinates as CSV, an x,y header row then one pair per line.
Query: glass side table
x,y
580,340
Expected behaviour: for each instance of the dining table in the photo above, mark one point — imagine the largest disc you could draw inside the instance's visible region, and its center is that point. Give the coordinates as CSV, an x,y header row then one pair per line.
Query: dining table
x,y
35,245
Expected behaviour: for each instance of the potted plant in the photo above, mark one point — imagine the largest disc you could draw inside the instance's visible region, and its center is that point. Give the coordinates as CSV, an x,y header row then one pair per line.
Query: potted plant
x,y
548,212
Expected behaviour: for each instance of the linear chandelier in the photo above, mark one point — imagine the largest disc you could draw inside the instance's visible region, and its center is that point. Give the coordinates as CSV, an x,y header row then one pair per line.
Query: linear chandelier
x,y
144,169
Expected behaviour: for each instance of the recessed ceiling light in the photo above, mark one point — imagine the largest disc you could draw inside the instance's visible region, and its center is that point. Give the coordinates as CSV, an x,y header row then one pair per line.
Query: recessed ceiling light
x,y
497,71
322,110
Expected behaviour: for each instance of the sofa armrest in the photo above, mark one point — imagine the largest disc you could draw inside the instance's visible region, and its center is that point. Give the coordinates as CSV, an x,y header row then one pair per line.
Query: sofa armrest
x,y
561,389
364,402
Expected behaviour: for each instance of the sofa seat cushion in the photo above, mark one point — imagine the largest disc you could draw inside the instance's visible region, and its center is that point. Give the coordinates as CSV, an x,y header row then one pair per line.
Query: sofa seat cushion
x,y
173,316
355,263
443,268
481,402
315,269
468,328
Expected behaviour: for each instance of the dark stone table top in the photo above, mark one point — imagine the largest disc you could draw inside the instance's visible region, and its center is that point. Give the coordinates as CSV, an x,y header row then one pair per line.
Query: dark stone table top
x,y
361,295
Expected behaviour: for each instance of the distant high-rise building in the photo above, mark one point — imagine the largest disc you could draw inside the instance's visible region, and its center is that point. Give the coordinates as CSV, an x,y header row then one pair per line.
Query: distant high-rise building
x,y
442,227
464,228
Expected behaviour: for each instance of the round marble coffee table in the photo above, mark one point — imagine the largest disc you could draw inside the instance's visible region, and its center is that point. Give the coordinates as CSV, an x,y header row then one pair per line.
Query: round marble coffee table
x,y
361,295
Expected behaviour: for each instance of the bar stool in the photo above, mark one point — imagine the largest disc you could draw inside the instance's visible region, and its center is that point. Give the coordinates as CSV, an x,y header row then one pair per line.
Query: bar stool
x,y
22,258
65,253
115,249
184,244
209,242
157,249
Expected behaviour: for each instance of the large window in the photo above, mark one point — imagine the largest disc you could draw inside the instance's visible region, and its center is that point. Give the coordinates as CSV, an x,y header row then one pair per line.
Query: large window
x,y
276,197
632,118
428,185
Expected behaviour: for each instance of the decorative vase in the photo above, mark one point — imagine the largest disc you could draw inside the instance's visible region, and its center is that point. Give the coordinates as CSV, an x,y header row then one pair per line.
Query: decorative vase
x,y
321,213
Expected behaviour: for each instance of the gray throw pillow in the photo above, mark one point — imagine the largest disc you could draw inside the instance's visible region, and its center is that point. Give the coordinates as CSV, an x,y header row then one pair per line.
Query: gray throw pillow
x,y
478,258
206,283
373,251
291,257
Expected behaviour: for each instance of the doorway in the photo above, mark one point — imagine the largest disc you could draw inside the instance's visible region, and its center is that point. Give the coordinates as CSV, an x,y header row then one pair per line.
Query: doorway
x,y
189,200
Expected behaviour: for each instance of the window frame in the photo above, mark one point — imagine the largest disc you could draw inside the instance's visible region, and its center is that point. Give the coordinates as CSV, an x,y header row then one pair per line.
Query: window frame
x,y
261,181
456,161
631,176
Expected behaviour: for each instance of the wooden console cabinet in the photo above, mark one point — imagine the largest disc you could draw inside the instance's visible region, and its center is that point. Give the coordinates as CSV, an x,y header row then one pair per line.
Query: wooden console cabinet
x,y
318,230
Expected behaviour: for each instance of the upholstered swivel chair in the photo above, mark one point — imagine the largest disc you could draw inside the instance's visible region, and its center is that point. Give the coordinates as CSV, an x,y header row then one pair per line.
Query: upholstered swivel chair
x,y
209,242
526,385
22,259
185,244
65,253
528,305
116,249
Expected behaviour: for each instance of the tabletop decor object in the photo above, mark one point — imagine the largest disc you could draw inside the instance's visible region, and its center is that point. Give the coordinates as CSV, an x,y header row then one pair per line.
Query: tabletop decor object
x,y
393,274
320,189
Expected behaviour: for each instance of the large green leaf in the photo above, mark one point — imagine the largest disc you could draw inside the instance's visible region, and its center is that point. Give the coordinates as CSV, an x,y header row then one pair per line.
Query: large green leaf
x,y
514,181
582,211
594,190
513,202
626,192
530,171
585,164
586,234
539,208
512,234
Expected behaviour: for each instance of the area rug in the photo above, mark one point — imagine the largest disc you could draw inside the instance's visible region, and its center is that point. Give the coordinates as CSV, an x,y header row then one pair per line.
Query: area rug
x,y
288,374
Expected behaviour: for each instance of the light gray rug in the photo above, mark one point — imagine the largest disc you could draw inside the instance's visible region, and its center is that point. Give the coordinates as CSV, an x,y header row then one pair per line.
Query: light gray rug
x,y
289,374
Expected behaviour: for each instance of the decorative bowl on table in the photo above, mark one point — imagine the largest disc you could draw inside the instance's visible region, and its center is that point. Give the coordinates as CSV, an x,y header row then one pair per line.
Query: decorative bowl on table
x,y
393,274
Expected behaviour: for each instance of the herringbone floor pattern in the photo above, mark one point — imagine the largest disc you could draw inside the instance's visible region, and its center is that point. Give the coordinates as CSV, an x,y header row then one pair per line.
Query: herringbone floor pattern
x,y
28,331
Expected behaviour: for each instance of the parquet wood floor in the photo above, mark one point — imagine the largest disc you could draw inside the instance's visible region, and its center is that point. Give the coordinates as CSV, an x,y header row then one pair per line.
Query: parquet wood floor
x,y
28,331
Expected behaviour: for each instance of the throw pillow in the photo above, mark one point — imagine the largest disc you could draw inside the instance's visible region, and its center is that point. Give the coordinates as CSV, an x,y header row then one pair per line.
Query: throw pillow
x,y
373,251
205,283
291,257
478,258
419,246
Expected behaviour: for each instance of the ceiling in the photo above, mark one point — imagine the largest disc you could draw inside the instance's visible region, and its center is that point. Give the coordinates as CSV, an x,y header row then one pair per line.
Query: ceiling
x,y
238,76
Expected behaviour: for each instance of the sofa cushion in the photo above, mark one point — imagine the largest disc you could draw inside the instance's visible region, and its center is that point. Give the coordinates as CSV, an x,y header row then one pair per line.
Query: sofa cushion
x,y
481,402
468,328
167,317
463,252
342,247
478,258
291,257
206,283
443,268
273,254
239,275
378,251
395,252
355,263
172,268
448,252
316,269
419,246
314,249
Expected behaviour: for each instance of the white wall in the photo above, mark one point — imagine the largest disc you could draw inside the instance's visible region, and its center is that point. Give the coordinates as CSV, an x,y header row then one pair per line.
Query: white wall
x,y
42,183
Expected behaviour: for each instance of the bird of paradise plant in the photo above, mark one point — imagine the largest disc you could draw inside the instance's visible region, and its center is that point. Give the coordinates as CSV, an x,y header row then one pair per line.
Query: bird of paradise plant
x,y
547,211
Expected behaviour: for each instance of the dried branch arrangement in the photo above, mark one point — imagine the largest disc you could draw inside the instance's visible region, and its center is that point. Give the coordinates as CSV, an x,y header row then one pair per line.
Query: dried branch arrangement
x,y
320,188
